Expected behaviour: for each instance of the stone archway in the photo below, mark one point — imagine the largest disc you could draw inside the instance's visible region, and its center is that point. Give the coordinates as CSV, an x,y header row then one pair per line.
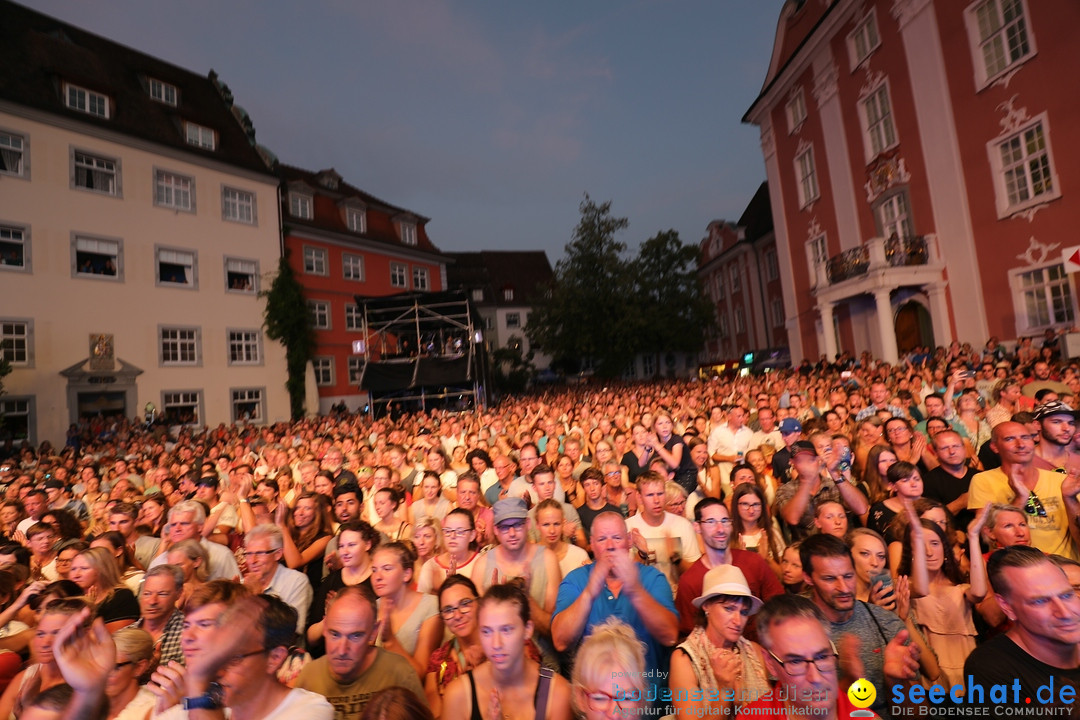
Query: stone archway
x,y
913,326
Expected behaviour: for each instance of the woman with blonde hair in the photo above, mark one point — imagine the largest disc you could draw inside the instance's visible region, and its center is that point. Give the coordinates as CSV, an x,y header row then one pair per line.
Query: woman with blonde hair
x,y
127,699
191,557
427,542
609,669
97,573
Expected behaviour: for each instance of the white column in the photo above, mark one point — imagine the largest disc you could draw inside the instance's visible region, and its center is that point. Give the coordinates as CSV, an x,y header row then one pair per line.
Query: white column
x,y
944,167
939,314
886,330
825,308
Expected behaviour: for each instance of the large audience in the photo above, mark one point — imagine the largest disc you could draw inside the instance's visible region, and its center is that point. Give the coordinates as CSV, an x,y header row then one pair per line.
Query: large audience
x,y
740,545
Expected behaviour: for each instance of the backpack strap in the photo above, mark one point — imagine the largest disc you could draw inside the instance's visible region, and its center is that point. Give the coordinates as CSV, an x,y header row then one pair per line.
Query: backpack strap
x,y
546,674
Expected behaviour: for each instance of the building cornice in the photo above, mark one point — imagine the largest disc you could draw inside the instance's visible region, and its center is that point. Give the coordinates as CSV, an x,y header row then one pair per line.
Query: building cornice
x,y
101,133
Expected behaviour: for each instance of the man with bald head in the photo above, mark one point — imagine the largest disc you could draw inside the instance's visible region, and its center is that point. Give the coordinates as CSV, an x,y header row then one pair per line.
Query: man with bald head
x,y
1038,493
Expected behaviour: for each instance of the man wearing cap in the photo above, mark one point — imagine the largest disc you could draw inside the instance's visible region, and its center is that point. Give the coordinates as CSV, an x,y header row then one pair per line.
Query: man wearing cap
x,y
716,654
1057,426
1036,491
516,559
790,432
797,501
712,521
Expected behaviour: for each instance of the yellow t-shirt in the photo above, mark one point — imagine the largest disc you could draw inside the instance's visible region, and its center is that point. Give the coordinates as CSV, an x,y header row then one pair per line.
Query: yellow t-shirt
x,y
1051,533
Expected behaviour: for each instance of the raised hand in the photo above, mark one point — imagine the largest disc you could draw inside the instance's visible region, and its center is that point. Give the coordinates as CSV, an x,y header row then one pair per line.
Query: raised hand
x,y
85,653
901,660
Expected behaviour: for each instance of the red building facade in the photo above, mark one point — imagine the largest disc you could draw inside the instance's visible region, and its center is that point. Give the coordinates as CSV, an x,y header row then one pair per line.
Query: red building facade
x,y
343,242
918,160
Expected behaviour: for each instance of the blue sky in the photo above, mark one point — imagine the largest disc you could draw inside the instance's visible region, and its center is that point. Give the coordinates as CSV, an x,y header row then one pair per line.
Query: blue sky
x,y
492,118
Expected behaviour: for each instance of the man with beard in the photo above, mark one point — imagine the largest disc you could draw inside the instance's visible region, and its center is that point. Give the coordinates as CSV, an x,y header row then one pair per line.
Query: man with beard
x,y
1043,645
712,521
353,669
1057,426
829,572
1037,492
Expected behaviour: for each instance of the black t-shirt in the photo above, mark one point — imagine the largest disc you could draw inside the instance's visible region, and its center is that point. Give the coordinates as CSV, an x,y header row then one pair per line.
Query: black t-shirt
x,y
121,605
587,515
940,485
880,520
1000,661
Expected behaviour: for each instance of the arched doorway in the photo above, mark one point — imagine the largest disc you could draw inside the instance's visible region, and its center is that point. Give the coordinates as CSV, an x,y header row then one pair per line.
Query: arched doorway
x,y
913,326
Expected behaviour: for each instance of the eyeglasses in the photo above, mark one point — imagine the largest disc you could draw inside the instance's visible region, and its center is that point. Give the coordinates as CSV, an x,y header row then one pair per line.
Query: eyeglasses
x,y
508,526
463,607
456,532
713,522
237,659
602,702
749,505
261,553
825,662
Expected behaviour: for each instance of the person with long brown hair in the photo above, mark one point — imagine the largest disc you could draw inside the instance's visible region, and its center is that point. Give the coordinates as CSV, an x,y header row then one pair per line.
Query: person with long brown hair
x,y
753,526
309,528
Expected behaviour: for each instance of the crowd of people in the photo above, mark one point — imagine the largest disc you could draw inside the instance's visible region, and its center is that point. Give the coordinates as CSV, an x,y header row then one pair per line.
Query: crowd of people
x,y
735,546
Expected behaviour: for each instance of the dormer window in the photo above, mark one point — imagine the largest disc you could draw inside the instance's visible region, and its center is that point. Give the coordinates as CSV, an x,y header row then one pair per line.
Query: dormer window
x,y
329,179
200,136
163,92
300,206
408,233
508,294
87,101
356,219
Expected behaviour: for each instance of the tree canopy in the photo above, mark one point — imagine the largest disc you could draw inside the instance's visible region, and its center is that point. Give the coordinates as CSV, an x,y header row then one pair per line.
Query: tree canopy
x,y
604,307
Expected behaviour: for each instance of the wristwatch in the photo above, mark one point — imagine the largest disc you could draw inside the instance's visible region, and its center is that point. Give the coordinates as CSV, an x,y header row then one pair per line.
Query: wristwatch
x,y
212,699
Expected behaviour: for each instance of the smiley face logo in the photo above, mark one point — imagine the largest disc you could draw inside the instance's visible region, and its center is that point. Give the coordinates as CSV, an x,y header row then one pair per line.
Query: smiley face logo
x,y
862,693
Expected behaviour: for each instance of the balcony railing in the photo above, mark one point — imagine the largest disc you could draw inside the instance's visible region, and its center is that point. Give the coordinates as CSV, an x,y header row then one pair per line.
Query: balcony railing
x,y
899,252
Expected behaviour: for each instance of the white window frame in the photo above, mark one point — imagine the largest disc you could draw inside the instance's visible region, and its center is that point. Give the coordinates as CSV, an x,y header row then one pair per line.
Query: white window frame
x,y
356,219
648,365
772,265
796,110
183,398
1043,296
892,213
174,190
200,136
508,294
301,205
15,235
806,181
876,118
734,278
91,165
352,267
184,343
181,257
98,245
15,151
324,370
399,275
984,75
407,231
238,206
740,320
248,395
778,312
20,406
719,284
355,367
87,101
1005,205
478,295
420,278
320,314
817,253
864,39
354,318
17,341
163,92
316,261
244,346
242,267
513,320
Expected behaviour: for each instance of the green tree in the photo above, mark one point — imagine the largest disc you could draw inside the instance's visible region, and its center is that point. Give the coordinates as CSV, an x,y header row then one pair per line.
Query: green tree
x,y
5,369
671,309
287,320
580,317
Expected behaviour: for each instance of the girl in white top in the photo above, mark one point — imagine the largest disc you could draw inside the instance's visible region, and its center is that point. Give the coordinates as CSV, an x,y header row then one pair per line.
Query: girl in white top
x,y
459,535
409,623
549,521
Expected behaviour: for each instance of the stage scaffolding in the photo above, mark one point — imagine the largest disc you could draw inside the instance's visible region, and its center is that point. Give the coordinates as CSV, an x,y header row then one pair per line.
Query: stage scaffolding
x,y
423,350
